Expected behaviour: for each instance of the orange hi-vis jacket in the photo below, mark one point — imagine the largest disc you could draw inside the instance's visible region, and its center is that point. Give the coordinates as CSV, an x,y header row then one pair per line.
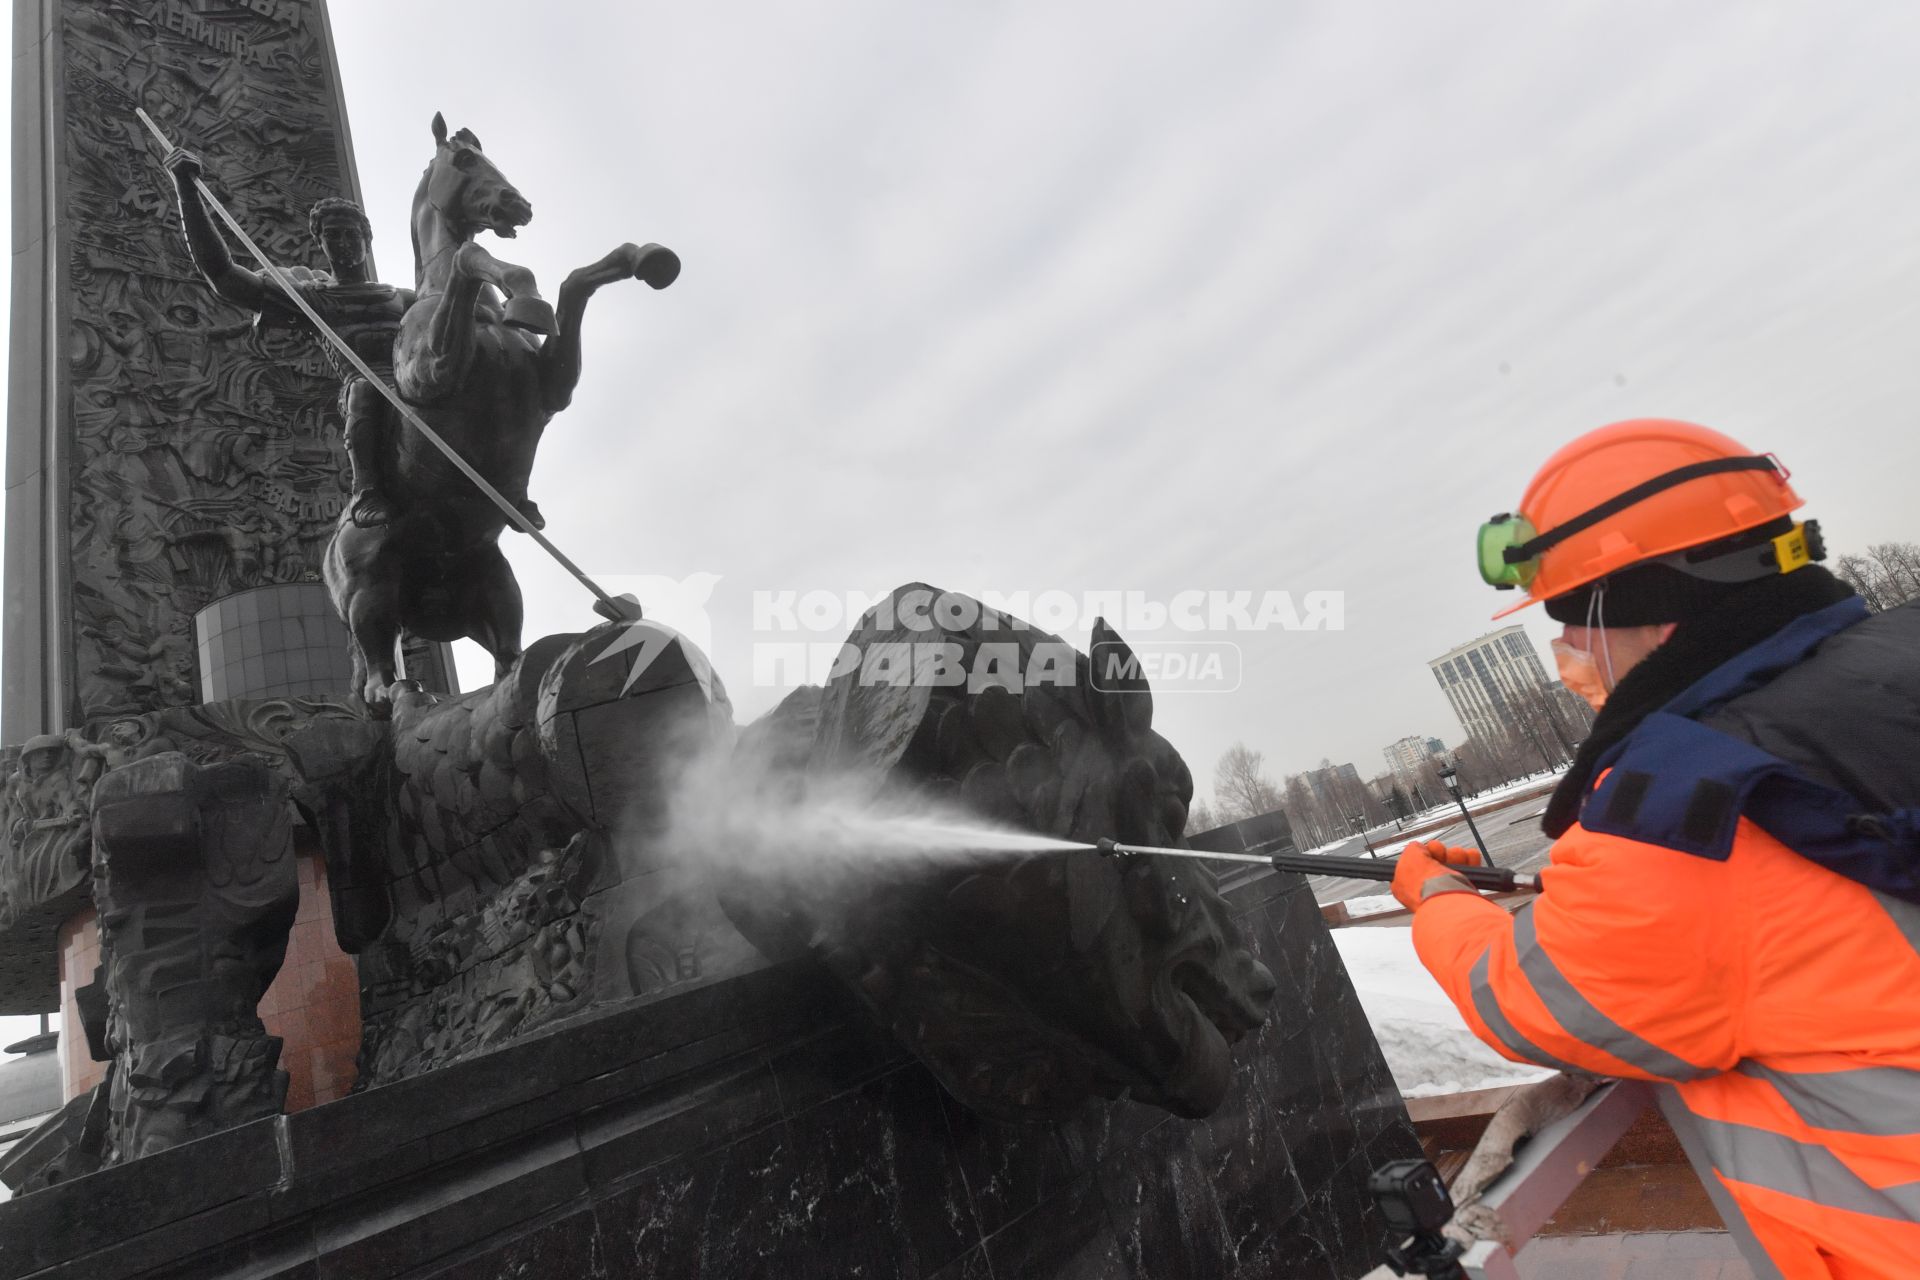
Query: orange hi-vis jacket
x,y
1778,999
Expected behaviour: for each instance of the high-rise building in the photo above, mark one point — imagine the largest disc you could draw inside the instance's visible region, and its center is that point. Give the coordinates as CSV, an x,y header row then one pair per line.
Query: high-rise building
x,y
1335,786
1406,756
1500,691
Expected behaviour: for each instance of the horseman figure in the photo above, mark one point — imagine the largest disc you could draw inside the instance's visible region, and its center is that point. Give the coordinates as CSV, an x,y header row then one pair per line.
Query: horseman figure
x,y
486,362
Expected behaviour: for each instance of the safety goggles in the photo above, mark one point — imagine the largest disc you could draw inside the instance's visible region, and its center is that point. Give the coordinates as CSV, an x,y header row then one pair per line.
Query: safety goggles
x,y
1510,547
1502,534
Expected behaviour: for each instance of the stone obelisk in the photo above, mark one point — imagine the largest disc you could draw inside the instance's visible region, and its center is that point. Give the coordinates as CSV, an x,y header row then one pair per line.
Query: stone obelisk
x,y
173,471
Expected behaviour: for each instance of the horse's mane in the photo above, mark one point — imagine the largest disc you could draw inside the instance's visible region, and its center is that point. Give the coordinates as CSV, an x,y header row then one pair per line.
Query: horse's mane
x,y
413,230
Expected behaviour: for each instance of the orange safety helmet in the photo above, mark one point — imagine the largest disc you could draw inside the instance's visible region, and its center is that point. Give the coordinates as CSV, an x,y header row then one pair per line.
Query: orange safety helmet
x,y
1631,492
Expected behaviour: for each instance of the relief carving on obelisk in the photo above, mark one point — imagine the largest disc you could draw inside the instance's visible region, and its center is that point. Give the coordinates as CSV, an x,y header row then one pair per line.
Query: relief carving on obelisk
x,y
204,452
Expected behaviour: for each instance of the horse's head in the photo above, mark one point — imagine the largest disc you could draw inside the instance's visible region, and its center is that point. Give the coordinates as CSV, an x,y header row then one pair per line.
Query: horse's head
x,y
467,190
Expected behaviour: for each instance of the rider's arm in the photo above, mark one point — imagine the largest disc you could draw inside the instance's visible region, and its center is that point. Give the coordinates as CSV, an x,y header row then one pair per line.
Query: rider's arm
x,y
231,281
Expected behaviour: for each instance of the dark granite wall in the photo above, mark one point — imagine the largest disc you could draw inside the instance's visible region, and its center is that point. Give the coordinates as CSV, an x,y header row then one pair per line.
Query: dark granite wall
x,y
745,1129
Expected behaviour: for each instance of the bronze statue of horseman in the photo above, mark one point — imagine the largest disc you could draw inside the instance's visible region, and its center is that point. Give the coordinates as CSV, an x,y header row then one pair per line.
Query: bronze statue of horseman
x,y
486,362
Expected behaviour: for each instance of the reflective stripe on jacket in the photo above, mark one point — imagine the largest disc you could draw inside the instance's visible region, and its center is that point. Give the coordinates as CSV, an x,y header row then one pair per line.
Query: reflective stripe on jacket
x,y
1782,1002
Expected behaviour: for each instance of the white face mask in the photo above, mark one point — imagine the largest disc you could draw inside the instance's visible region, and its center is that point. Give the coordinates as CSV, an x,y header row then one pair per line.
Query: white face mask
x,y
1580,670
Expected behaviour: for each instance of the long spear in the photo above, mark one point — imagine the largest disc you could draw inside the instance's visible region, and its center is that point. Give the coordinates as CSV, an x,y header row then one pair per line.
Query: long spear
x,y
610,607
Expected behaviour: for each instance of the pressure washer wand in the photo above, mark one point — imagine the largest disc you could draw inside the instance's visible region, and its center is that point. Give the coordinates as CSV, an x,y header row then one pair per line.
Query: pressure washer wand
x,y
1497,879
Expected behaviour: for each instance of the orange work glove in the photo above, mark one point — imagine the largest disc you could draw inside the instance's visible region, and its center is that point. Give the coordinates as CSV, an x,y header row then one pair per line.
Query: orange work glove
x,y
1426,870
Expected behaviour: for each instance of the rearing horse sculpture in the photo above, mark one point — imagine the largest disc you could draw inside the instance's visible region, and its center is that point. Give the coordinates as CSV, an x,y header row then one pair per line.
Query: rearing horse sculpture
x,y
488,379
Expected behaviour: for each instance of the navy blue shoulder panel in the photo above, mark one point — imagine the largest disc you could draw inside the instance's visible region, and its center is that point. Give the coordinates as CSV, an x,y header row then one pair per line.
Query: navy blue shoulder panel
x,y
1676,783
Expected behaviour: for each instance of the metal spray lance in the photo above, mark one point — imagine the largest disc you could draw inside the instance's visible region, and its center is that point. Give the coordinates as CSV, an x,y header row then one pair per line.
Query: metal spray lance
x,y
1497,879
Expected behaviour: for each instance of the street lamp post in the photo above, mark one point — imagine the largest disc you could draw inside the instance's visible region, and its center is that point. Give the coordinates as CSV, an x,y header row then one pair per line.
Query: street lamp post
x,y
1359,824
1451,777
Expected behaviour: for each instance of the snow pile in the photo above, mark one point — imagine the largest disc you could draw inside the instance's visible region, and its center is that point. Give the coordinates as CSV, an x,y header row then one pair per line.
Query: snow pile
x,y
1427,1045
1371,904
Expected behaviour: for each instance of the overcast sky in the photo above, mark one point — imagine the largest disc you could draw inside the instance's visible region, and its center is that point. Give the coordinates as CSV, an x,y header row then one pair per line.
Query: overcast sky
x,y
1224,296
1127,297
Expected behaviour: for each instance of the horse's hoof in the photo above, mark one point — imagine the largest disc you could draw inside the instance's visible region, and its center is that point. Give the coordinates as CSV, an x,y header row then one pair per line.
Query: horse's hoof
x,y
659,266
535,315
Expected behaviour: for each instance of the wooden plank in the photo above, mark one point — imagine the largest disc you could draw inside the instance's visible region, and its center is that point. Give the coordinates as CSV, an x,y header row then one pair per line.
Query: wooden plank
x,y
1644,1184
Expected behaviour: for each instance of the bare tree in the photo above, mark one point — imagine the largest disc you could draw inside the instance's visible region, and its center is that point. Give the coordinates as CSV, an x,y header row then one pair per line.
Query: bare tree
x,y
1545,719
1488,760
1427,788
1357,803
1241,787
1477,765
1312,824
1887,576
1200,817
1899,568
1858,572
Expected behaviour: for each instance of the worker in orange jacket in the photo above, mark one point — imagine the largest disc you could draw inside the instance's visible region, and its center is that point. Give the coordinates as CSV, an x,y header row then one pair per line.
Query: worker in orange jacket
x,y
1732,905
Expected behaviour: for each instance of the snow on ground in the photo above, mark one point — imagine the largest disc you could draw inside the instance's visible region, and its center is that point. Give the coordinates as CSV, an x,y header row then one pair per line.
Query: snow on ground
x,y
1427,1045
1371,904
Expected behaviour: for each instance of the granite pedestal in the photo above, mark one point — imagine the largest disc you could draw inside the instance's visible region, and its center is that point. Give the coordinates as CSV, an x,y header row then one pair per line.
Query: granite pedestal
x,y
756,1126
